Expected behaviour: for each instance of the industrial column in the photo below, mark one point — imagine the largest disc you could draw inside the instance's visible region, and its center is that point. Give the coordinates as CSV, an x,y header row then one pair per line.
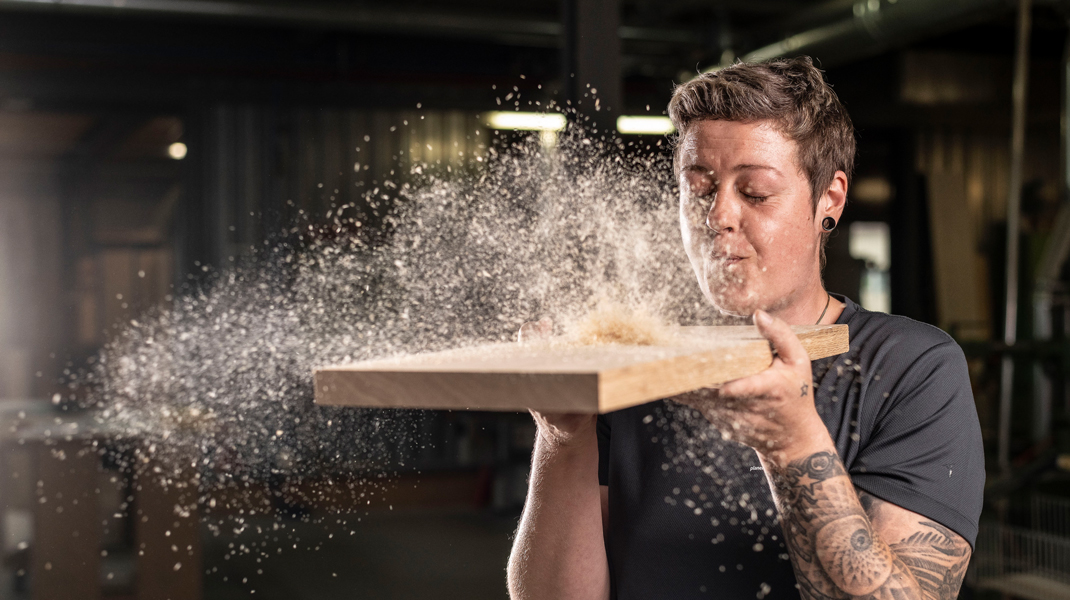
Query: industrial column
x,y
1014,200
591,73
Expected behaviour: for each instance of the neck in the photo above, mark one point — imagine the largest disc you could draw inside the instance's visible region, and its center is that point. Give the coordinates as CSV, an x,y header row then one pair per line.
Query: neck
x,y
808,306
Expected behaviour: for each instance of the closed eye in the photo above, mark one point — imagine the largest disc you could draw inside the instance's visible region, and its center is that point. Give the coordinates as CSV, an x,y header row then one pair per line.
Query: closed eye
x,y
755,199
701,196
701,190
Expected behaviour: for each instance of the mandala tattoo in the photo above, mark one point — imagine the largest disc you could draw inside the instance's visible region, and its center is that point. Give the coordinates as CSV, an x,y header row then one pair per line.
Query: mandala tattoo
x,y
860,540
835,549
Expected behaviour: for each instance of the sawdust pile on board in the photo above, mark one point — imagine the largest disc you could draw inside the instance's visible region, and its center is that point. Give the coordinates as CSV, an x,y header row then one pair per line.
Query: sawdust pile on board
x,y
613,323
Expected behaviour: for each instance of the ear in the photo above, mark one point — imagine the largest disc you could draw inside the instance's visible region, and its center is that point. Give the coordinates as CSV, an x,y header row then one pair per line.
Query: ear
x,y
834,200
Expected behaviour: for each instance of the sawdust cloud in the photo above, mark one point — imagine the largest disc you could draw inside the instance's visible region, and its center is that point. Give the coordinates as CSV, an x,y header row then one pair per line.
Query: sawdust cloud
x,y
218,383
213,393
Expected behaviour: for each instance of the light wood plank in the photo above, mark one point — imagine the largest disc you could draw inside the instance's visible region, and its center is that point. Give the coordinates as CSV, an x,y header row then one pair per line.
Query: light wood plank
x,y
552,375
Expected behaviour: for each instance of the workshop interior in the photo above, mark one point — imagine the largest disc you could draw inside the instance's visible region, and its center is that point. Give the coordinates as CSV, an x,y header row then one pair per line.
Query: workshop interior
x,y
166,165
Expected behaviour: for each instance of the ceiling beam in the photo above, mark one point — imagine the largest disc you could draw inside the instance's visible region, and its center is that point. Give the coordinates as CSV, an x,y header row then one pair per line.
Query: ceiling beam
x,y
513,31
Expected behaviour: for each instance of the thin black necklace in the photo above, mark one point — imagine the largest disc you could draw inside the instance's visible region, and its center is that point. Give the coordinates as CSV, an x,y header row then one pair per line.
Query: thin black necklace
x,y
829,296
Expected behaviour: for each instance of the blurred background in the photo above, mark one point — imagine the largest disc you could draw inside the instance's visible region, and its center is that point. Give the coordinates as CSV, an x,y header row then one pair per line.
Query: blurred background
x,y
145,141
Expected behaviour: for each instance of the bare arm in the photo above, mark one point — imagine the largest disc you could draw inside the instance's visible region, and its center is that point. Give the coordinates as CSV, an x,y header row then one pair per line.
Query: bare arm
x,y
846,545
559,551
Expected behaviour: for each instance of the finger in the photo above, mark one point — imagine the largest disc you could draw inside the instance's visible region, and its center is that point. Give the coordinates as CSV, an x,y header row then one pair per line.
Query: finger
x,y
699,395
787,345
533,330
775,382
526,333
754,386
720,414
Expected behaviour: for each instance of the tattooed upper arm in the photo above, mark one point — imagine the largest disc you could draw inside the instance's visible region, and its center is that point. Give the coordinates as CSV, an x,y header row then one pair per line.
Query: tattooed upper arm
x,y
935,555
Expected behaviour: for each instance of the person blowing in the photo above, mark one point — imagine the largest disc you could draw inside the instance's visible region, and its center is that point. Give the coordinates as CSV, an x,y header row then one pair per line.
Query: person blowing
x,y
857,476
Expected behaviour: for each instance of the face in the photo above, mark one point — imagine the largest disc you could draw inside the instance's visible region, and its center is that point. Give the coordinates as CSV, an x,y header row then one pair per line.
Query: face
x,y
748,224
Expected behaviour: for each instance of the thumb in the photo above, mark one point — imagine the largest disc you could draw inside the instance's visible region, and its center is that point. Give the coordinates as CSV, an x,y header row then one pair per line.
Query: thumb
x,y
782,338
534,330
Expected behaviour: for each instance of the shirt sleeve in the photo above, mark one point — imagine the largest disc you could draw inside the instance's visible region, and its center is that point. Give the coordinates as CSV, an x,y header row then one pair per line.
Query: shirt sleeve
x,y
603,449
924,450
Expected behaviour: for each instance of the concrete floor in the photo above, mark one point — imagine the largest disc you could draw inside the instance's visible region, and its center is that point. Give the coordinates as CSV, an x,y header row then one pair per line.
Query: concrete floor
x,y
409,554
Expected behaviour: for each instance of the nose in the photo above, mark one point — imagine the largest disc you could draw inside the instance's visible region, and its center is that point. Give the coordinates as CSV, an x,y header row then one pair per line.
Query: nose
x,y
724,214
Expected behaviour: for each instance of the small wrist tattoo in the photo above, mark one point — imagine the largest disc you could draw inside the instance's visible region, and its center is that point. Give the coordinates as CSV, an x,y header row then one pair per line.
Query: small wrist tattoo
x,y
805,389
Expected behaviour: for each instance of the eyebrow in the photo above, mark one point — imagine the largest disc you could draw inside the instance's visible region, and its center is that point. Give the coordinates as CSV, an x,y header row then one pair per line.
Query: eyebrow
x,y
737,168
752,167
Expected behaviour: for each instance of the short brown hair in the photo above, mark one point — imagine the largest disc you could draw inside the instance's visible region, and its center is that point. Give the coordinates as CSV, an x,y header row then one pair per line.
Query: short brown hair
x,y
790,92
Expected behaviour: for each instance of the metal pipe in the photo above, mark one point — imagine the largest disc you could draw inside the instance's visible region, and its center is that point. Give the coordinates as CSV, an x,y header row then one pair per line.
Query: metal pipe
x,y
1056,251
869,27
520,31
1014,202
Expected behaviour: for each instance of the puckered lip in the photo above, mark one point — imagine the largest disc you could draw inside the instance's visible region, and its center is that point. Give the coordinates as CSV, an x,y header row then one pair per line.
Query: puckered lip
x,y
727,258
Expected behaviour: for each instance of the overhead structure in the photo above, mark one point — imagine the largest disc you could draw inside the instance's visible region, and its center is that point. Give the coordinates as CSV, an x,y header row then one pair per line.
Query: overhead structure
x,y
518,31
845,31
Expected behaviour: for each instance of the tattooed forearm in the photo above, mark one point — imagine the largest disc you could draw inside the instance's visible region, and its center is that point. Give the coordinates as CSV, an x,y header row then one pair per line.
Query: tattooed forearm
x,y
836,551
937,556
938,559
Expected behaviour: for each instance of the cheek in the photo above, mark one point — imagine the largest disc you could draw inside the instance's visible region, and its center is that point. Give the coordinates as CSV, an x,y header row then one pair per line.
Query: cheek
x,y
779,242
693,212
690,235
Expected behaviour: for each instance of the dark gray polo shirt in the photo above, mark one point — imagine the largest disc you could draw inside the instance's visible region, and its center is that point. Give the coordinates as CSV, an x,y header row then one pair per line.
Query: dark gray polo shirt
x,y
691,515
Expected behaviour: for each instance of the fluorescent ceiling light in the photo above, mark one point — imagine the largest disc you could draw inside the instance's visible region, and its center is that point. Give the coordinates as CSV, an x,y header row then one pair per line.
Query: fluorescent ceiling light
x,y
526,121
645,125
177,151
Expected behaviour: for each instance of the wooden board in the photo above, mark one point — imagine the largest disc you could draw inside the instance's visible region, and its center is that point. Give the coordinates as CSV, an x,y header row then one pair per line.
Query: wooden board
x,y
551,375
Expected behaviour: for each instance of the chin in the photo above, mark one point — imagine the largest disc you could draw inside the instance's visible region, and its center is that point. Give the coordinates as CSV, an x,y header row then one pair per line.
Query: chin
x,y
735,307
731,293
732,300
